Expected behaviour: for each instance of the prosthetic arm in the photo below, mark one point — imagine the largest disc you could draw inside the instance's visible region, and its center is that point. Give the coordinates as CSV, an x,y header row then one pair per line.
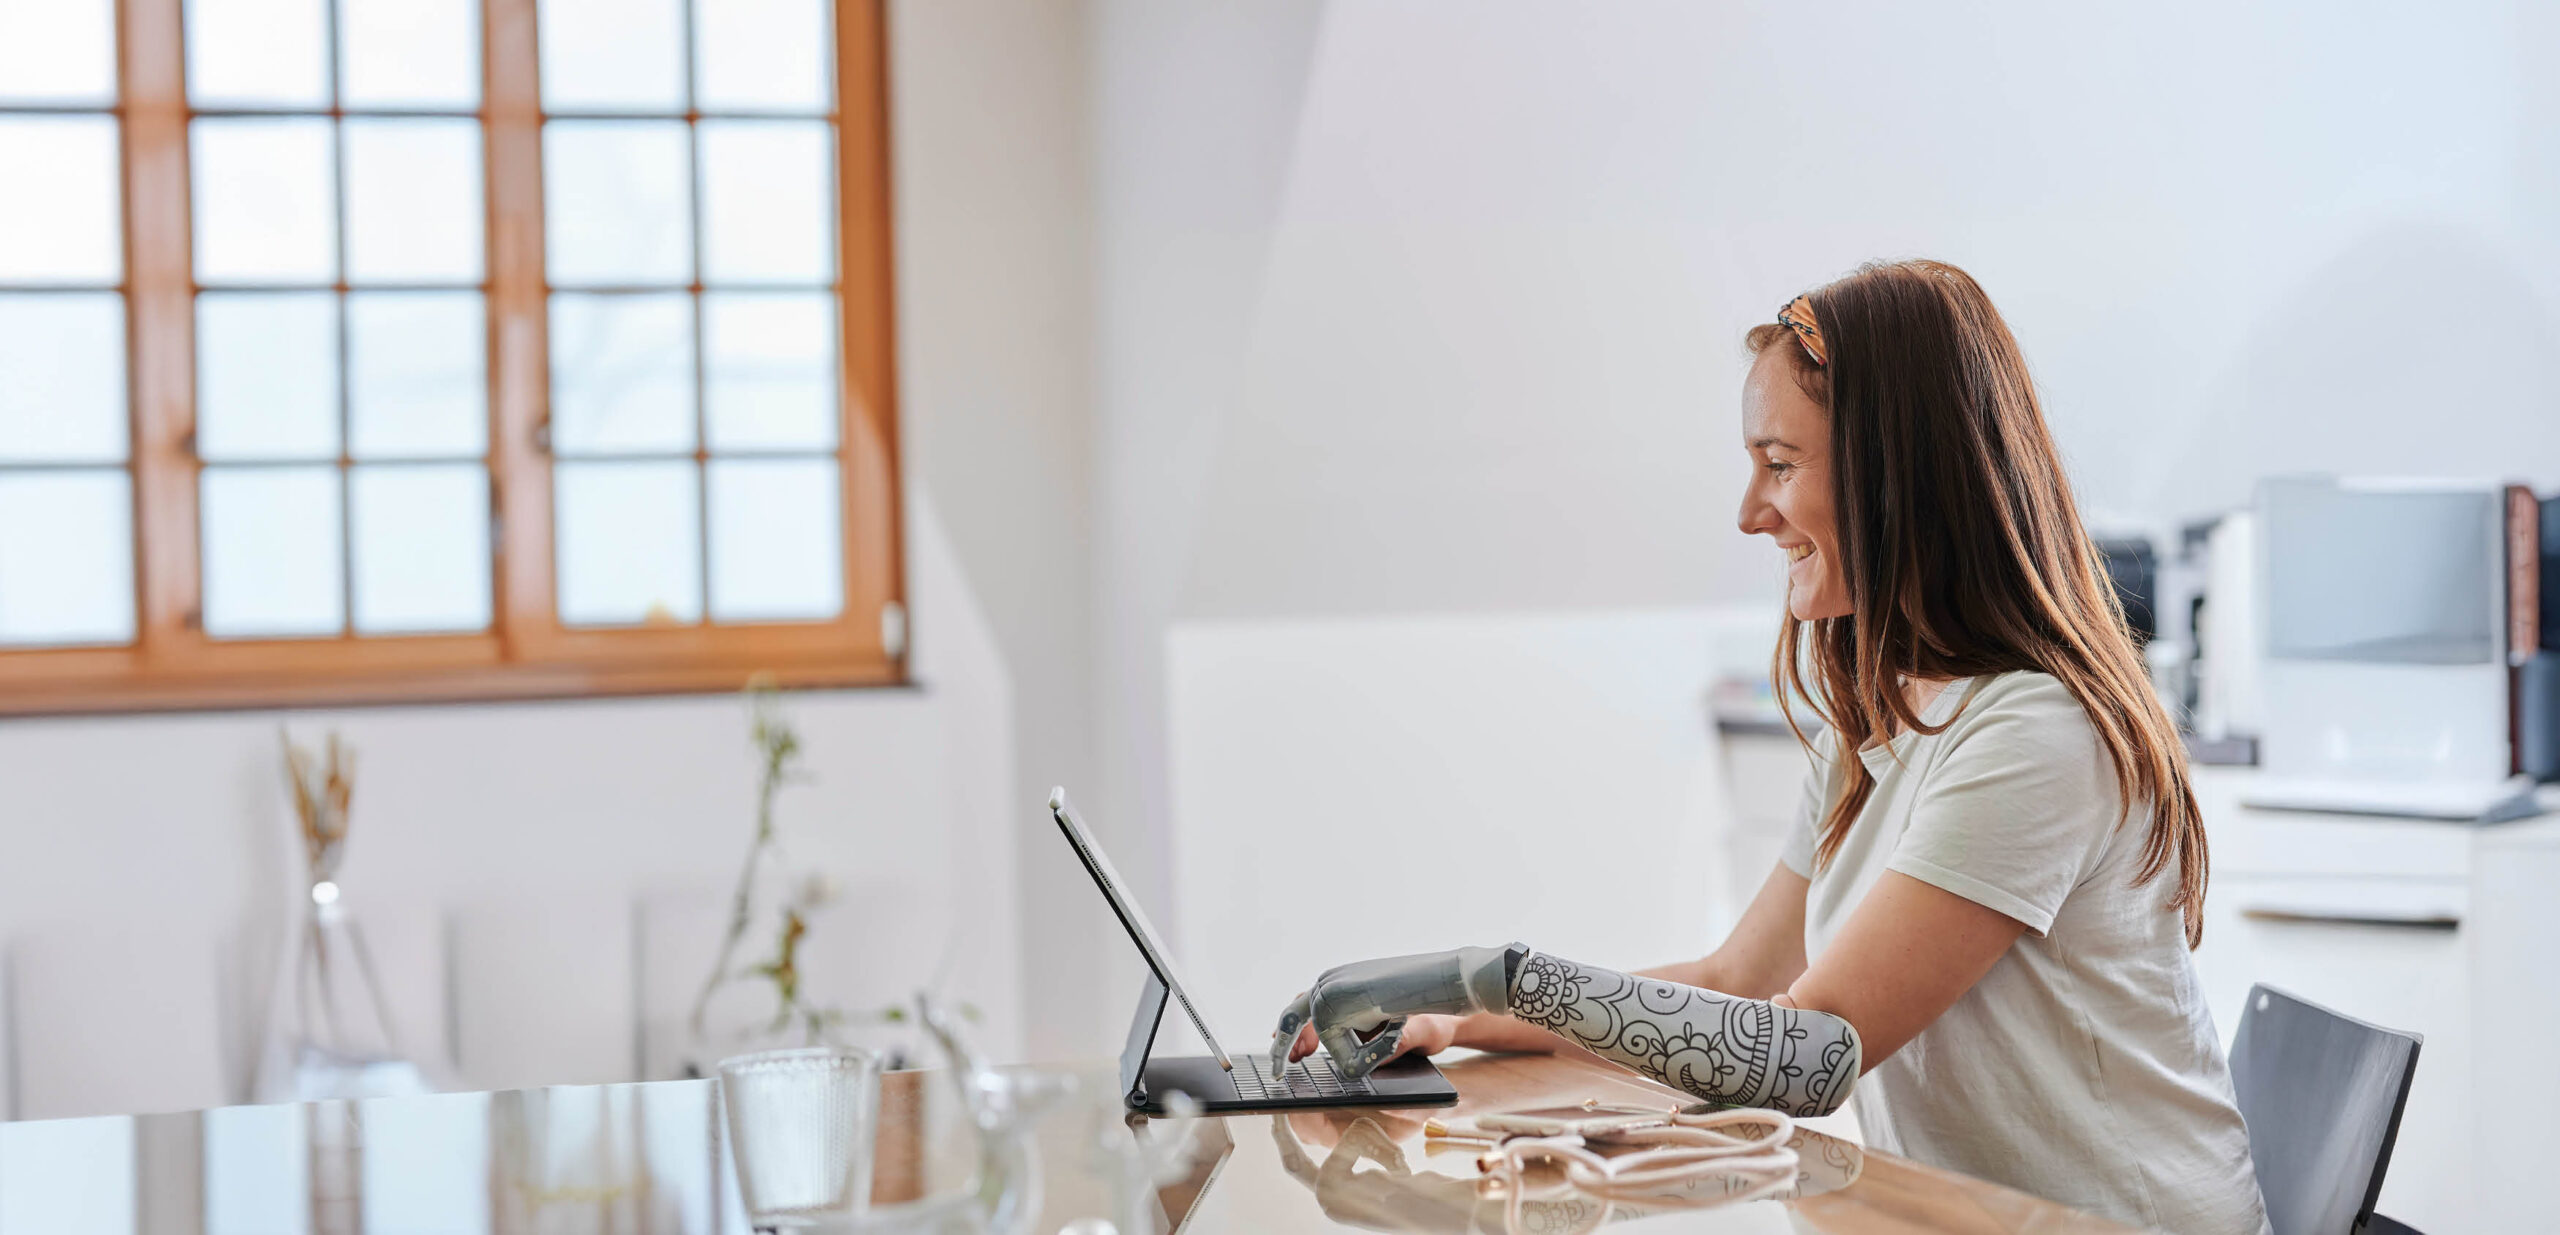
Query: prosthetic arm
x,y
1744,1052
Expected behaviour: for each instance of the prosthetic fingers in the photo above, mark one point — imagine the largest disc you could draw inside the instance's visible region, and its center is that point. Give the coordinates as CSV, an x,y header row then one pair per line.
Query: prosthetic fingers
x,y
1359,1009
1723,1048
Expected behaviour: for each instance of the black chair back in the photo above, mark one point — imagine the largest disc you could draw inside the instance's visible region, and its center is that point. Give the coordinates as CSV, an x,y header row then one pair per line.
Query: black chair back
x,y
2322,1093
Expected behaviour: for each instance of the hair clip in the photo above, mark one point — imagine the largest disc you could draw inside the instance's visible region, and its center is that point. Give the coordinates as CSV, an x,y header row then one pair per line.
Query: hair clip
x,y
1798,316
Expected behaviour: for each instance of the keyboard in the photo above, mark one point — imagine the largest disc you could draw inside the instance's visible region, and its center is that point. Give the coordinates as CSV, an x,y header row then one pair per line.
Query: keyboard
x,y
1311,1077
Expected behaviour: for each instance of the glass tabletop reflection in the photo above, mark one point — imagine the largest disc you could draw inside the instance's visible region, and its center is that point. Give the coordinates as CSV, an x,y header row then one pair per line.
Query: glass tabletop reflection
x,y
651,1159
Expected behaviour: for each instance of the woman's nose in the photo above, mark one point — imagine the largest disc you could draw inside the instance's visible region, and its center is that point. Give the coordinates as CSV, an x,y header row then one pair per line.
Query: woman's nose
x,y
1757,517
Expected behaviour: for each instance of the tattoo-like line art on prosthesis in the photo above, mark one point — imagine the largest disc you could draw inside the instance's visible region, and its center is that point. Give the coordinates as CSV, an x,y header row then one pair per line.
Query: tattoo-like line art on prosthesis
x,y
1723,1048
1742,1052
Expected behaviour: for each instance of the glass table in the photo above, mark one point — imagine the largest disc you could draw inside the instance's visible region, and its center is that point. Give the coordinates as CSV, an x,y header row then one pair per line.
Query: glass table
x,y
649,1159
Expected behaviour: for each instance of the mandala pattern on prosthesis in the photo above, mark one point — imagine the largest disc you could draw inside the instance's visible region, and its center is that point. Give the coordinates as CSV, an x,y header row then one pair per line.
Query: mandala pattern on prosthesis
x,y
1743,1052
1540,990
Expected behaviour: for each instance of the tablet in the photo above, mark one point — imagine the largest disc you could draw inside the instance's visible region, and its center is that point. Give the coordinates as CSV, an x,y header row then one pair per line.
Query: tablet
x,y
1132,918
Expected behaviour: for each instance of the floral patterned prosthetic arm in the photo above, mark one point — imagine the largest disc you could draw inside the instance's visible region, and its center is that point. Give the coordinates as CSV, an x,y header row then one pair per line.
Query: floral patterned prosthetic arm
x,y
1723,1048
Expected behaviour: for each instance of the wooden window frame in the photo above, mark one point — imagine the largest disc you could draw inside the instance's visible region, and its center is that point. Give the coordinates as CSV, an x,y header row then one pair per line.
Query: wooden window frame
x,y
527,652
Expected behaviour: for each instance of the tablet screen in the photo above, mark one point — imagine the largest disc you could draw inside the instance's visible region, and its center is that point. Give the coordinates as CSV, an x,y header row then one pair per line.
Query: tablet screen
x,y
1132,918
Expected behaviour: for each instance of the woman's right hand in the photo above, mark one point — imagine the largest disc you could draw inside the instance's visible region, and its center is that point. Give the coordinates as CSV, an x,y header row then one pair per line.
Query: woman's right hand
x,y
1425,1033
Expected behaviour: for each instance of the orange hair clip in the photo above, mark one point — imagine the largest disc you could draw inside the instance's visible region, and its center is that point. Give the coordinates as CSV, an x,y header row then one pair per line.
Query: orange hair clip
x,y
1798,316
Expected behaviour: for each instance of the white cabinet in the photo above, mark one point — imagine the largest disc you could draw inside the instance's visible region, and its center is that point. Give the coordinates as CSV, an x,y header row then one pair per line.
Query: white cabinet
x,y
2415,978
2441,929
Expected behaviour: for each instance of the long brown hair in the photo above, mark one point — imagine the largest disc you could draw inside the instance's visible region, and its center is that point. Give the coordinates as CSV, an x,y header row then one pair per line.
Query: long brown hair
x,y
1963,550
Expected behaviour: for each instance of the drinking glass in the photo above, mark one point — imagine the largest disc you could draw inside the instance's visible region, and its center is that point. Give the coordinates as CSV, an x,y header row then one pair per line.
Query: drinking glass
x,y
801,1126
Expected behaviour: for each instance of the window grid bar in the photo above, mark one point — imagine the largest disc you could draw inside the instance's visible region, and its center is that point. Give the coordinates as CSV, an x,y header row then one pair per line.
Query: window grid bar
x,y
340,286
701,384
340,459
9,466
698,455
253,111
346,377
697,287
690,115
286,111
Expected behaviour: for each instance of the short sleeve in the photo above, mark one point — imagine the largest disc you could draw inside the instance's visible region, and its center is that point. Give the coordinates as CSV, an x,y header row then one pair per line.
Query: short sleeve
x,y
2017,809
1797,854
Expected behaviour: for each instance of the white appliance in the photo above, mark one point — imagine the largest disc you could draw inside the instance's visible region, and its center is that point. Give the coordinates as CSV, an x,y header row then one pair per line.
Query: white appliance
x,y
2382,629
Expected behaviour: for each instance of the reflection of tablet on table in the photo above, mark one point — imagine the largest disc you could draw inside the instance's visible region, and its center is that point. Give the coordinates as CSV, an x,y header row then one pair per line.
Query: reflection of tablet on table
x,y
1181,1198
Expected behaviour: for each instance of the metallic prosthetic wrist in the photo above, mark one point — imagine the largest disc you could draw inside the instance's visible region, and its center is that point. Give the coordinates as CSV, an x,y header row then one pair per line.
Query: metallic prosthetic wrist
x,y
1723,1048
1359,1009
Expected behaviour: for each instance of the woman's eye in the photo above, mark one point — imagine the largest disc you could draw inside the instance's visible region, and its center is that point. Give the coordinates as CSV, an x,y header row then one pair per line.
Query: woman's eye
x,y
1777,467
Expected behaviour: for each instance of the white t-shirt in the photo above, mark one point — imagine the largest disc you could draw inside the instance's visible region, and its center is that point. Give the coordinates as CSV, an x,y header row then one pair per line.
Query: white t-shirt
x,y
2084,1067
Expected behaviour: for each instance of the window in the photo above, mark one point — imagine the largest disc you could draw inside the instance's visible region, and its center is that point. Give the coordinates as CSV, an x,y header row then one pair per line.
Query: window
x,y
401,349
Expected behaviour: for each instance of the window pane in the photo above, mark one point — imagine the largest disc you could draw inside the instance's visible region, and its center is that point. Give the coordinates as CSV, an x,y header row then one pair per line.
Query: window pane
x,y
62,378
409,53
66,557
417,375
66,224
768,201
621,374
612,55
630,548
616,209
775,552
267,375
266,205
770,370
58,51
422,547
762,55
263,53
413,201
271,551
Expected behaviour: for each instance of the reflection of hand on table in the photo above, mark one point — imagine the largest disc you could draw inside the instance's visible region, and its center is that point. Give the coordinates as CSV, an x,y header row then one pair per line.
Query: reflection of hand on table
x,y
1390,1196
1326,1129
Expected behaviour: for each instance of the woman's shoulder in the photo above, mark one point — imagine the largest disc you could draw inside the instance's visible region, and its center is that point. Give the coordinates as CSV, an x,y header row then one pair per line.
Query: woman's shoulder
x,y
2027,707
2022,691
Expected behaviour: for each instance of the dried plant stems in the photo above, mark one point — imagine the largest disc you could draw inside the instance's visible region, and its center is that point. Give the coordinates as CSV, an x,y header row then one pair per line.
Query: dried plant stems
x,y
321,796
777,747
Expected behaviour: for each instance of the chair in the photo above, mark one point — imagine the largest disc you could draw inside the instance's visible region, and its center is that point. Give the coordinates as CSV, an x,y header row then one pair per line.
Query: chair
x,y
2323,1094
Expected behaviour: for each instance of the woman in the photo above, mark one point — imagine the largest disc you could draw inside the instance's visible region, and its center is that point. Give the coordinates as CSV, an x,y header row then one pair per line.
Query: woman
x,y
1987,905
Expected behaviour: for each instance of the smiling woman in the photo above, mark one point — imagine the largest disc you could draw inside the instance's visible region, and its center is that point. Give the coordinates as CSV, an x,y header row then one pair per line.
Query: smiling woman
x,y
1984,909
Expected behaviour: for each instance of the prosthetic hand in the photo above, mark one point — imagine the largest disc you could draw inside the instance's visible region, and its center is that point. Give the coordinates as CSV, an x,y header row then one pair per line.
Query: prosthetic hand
x,y
1741,1052
1359,1009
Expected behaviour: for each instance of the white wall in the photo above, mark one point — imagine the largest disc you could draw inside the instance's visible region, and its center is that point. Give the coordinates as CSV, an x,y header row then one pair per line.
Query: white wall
x,y
1195,112
919,797
994,237
1494,348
